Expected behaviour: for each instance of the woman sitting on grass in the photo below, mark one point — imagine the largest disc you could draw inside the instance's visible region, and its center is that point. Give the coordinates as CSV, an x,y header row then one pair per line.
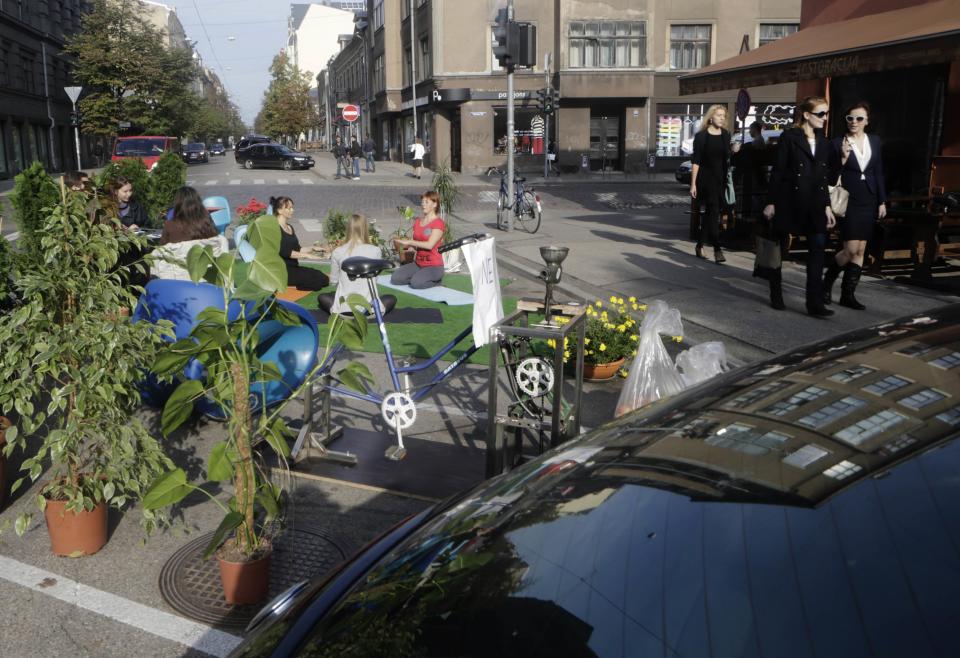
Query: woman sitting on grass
x,y
426,270
303,278
191,226
357,245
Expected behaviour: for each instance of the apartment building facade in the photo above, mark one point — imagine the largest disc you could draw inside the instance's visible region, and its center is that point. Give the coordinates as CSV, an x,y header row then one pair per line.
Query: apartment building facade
x,y
614,63
34,109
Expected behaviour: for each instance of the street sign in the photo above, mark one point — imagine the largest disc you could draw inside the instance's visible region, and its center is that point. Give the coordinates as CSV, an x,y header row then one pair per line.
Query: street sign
x,y
351,113
743,105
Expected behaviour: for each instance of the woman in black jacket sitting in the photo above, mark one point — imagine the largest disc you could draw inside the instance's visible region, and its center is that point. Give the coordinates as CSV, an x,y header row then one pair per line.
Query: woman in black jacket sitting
x,y
798,202
856,161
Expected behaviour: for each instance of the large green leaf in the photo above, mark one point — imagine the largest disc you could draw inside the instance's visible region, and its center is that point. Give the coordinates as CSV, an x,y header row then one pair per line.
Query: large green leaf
x,y
264,234
269,272
199,258
180,405
169,362
169,488
353,376
219,464
276,435
269,497
230,521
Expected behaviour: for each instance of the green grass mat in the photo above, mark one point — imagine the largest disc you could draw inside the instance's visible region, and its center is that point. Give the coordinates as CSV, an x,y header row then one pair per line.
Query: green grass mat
x,y
416,340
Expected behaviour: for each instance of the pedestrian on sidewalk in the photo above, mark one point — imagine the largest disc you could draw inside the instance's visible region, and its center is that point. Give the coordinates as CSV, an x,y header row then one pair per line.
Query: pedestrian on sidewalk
x,y
355,154
368,148
856,161
798,202
708,179
418,151
339,152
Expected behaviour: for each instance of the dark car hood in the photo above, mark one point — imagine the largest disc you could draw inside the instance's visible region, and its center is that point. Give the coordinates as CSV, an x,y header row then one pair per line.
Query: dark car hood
x,y
750,515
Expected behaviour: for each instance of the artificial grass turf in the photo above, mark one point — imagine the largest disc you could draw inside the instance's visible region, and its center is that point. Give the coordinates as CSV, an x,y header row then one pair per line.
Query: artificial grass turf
x,y
415,340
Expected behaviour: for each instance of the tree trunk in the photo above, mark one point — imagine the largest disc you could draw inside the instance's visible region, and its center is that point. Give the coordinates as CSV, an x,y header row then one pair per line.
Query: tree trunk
x,y
244,476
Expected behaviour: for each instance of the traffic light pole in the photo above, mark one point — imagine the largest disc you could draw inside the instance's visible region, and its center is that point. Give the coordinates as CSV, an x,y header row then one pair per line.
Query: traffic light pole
x,y
546,117
510,133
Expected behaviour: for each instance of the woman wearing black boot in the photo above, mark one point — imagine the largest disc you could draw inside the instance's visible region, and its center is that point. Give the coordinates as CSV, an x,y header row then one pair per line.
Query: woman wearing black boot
x,y
708,178
799,202
856,160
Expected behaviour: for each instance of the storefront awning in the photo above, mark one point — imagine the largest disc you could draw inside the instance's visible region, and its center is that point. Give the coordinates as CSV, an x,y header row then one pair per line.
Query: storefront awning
x,y
914,36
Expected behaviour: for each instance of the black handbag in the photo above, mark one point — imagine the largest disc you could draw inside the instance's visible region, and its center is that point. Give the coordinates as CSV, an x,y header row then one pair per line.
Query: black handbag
x,y
768,259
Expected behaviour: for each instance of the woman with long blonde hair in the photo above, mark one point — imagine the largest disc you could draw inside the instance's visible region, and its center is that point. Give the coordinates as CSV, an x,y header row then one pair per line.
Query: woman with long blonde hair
x,y
356,245
708,179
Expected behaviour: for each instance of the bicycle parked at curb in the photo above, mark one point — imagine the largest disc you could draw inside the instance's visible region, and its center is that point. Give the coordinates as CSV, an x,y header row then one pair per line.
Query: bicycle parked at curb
x,y
527,208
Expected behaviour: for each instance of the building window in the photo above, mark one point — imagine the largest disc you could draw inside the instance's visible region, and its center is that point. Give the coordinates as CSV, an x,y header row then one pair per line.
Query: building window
x,y
774,31
843,470
870,427
377,14
887,385
607,44
378,75
805,456
947,361
528,131
795,401
408,66
756,394
424,62
950,416
847,375
832,412
923,398
747,439
689,46
404,9
421,3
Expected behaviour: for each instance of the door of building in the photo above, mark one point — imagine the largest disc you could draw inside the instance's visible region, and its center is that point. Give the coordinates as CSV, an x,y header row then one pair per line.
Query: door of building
x,y
455,160
605,143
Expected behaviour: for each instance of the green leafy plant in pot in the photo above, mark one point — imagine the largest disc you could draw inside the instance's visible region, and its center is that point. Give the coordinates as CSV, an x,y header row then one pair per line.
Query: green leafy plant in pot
x,y
226,343
69,371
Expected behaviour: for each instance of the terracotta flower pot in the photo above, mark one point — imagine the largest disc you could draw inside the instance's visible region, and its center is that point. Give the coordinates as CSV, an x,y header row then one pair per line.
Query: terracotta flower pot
x,y
245,582
72,534
599,372
4,424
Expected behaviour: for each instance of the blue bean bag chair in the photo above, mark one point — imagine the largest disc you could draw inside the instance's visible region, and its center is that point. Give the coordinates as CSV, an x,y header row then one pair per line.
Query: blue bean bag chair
x,y
244,248
221,216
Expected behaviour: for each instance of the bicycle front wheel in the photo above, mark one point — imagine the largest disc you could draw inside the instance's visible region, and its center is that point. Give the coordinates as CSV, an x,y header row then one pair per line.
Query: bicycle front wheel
x,y
501,214
530,212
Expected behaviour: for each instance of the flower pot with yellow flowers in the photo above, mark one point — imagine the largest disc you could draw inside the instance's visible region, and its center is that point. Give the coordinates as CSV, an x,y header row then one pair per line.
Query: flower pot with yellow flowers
x,y
611,337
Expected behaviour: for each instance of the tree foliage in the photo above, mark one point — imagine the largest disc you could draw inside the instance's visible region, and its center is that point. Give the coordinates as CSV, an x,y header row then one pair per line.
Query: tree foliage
x,y
287,109
34,193
169,176
128,74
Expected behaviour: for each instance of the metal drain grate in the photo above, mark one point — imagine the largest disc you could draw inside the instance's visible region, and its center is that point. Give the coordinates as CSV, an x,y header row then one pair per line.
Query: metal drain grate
x,y
191,585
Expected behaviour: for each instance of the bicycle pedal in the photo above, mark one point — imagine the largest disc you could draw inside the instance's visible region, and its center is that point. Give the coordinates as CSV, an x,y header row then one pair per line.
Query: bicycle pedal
x,y
396,453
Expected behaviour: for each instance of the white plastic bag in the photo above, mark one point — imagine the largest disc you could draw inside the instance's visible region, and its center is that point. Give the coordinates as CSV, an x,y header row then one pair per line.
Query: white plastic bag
x,y
653,374
701,362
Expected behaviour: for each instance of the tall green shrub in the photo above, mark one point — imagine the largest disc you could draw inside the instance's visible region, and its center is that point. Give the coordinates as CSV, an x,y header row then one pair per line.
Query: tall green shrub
x,y
33,191
134,171
169,176
6,271
446,186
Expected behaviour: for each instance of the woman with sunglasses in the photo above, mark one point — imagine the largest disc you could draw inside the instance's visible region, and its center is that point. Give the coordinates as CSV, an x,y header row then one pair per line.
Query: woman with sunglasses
x,y
798,202
856,161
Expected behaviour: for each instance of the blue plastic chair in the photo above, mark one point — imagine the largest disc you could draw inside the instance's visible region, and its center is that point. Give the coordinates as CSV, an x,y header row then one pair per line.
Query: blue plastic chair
x,y
293,349
244,248
180,302
221,217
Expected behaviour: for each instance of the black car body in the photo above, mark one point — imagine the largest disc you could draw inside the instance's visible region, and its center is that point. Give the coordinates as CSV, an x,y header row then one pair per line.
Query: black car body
x,y
195,152
247,142
217,149
684,172
276,156
808,505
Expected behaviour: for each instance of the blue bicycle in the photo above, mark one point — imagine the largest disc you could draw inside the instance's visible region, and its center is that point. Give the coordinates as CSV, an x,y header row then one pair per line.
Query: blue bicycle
x,y
527,208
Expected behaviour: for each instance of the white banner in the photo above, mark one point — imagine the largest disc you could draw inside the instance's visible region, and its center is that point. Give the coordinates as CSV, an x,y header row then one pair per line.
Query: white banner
x,y
487,303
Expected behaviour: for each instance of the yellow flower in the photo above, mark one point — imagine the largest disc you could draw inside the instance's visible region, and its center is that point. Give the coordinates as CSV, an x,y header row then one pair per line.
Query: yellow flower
x,y
599,303
621,328
603,316
622,372
620,300
609,325
678,339
566,354
635,307
551,342
634,353
643,307
566,341
632,300
634,338
603,347
586,341
613,300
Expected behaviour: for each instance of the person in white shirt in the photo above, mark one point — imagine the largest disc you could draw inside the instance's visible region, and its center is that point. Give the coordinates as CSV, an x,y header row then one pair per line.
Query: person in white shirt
x,y
418,150
190,226
357,245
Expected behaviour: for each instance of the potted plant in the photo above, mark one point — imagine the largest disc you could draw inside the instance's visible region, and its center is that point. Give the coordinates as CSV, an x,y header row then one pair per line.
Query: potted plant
x,y
226,344
69,369
407,217
250,211
446,186
612,335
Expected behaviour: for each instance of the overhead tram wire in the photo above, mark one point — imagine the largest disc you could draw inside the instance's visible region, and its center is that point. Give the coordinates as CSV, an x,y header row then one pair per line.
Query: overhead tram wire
x,y
216,58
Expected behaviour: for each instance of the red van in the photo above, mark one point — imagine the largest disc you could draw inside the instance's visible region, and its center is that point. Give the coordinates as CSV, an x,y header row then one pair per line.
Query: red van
x,y
148,148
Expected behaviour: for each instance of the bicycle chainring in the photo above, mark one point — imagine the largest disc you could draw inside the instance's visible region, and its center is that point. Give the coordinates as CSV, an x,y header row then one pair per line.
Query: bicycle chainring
x,y
534,376
398,408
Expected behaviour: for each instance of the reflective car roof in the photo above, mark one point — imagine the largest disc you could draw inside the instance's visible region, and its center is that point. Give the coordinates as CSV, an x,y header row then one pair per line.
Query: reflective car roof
x,y
807,505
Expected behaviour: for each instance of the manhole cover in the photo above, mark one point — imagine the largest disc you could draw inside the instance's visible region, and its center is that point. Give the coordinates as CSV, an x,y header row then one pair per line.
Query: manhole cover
x,y
191,585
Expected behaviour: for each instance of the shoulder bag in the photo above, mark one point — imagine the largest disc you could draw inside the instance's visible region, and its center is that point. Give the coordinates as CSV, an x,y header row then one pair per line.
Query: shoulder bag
x,y
838,198
729,194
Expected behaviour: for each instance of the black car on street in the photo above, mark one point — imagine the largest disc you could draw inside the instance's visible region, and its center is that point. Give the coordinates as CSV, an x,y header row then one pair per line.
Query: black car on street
x,y
275,156
195,152
807,505
248,141
217,149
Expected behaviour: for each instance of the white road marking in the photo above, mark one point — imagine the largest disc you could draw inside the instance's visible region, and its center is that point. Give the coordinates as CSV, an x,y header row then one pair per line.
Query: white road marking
x,y
191,182
306,181
258,181
489,196
235,181
156,622
606,197
282,181
211,182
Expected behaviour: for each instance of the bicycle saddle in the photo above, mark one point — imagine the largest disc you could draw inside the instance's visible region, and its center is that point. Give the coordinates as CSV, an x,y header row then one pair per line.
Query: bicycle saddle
x,y
364,268
519,179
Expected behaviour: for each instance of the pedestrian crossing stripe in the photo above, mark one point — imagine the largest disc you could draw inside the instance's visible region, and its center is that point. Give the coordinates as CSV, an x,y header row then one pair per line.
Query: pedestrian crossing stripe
x,y
282,181
236,181
489,196
259,181
255,181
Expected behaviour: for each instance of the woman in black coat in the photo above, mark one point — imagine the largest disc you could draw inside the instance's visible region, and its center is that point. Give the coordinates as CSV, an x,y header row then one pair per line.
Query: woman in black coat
x,y
856,161
798,201
708,179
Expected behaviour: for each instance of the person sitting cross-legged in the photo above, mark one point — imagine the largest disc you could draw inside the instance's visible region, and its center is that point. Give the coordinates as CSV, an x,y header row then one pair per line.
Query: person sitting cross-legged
x,y
190,226
426,270
357,245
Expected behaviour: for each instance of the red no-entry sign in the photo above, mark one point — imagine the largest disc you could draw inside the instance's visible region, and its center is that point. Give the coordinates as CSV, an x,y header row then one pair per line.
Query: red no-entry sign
x,y
351,113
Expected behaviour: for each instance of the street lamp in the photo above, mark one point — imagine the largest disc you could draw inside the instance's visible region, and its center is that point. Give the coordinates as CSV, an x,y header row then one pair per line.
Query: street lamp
x,y
74,94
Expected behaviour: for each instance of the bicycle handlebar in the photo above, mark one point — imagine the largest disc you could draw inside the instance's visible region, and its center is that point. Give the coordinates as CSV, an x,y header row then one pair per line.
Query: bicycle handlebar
x,y
468,239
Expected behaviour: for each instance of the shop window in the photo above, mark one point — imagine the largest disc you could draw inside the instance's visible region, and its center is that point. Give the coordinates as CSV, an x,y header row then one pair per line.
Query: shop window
x,y
689,46
528,132
607,44
774,31
677,123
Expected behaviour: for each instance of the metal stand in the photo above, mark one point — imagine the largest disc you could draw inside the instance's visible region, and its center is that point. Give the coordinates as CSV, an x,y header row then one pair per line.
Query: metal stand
x,y
563,421
311,444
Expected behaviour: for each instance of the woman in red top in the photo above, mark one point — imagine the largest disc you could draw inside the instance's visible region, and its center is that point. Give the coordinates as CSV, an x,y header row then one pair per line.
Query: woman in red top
x,y
426,270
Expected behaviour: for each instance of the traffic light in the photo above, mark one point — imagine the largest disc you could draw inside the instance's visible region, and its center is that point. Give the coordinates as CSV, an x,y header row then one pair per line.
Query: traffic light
x,y
501,40
542,99
74,118
551,101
